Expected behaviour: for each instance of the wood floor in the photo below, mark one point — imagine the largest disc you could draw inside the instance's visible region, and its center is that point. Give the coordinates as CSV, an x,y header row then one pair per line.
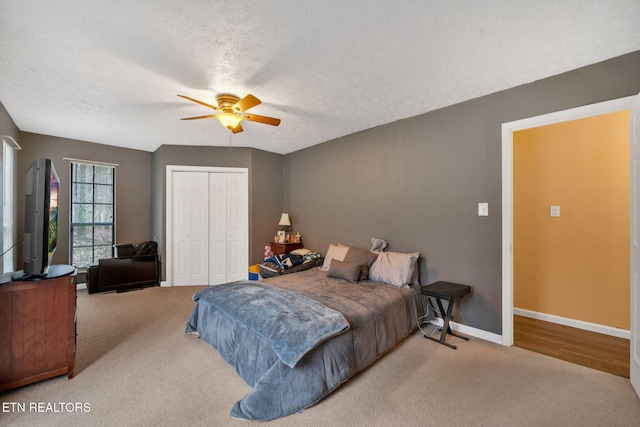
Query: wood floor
x,y
586,348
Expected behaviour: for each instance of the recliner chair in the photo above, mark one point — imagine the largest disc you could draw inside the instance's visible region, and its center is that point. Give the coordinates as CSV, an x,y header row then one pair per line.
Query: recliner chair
x,y
136,267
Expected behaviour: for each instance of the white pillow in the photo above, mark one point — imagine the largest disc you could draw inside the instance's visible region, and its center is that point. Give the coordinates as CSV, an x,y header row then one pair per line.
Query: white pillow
x,y
334,252
394,268
301,251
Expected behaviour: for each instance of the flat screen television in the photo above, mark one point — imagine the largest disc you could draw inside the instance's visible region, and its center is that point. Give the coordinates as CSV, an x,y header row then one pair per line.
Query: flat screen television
x,y
40,217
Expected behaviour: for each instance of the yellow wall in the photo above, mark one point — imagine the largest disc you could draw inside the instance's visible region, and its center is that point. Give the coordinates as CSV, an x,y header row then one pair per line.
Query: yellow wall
x,y
577,265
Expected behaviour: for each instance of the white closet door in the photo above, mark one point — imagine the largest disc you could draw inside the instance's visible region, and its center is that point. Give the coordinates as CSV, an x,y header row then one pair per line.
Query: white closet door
x,y
228,227
209,210
237,219
191,228
218,228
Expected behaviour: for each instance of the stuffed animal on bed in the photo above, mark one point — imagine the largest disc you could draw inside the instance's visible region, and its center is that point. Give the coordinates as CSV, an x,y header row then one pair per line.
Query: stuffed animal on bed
x,y
378,245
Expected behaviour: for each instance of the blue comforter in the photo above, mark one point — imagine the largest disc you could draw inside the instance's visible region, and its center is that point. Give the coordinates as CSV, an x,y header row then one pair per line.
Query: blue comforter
x,y
379,317
291,323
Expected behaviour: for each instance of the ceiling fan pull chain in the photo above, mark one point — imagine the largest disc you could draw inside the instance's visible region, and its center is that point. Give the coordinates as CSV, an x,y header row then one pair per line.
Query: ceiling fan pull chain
x,y
230,135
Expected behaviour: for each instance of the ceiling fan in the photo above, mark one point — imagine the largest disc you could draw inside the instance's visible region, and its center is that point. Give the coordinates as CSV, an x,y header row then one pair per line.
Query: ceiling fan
x,y
232,111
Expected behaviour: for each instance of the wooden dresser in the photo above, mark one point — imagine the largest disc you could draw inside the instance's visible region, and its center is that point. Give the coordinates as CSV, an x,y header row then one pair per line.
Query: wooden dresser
x,y
37,330
284,248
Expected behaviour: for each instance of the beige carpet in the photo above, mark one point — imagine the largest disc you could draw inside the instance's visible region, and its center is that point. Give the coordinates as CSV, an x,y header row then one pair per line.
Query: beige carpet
x,y
136,367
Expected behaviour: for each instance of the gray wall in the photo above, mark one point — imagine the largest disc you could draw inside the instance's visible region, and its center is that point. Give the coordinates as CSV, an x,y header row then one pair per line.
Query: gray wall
x,y
266,200
133,185
416,183
265,188
7,126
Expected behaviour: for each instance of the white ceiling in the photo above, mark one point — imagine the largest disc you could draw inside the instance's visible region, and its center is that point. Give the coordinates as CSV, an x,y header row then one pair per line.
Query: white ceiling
x,y
108,71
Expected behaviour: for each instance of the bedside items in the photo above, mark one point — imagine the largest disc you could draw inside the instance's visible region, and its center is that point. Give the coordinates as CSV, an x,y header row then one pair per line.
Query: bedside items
x,y
284,248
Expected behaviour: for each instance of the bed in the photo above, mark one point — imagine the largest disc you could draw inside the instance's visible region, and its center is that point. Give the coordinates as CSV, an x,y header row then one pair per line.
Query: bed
x,y
339,319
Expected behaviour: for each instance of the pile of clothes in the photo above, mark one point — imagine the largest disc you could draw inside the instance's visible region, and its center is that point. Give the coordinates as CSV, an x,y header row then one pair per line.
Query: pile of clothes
x,y
298,260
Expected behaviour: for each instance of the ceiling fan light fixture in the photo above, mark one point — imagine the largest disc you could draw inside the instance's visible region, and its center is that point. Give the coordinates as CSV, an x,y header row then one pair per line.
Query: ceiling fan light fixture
x,y
231,111
229,120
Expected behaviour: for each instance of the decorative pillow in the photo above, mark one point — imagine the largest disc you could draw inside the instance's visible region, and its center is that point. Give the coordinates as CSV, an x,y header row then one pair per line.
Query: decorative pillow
x,y
363,258
334,252
348,271
394,268
311,256
301,251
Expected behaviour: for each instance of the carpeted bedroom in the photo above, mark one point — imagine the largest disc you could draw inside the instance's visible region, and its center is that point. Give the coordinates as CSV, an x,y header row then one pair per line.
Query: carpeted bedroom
x,y
144,370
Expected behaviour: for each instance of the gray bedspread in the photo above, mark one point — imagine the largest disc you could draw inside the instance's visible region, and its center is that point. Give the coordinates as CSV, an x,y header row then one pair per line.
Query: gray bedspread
x,y
379,316
291,323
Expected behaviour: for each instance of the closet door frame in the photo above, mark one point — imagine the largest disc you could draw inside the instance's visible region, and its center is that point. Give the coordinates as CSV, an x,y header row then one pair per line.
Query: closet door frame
x,y
169,199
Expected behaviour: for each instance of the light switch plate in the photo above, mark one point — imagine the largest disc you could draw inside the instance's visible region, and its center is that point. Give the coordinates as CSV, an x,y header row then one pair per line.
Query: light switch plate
x,y
554,211
483,209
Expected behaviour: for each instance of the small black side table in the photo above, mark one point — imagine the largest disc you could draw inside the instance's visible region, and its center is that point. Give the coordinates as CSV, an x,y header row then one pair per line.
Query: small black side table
x,y
450,292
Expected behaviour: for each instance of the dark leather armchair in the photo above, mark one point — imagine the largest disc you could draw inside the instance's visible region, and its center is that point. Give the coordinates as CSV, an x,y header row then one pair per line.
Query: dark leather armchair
x,y
136,267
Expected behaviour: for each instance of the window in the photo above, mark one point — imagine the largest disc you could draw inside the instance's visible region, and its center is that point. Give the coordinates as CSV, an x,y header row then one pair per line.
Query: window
x,y
8,205
92,213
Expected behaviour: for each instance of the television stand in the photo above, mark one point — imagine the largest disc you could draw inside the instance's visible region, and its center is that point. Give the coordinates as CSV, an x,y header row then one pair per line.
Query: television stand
x,y
37,330
54,271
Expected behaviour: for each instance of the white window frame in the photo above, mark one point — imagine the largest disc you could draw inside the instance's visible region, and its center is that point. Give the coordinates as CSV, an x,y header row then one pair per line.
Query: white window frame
x,y
71,222
9,205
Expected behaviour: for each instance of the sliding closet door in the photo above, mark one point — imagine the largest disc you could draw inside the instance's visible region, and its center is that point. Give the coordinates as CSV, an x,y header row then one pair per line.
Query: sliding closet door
x,y
228,209
207,225
191,228
237,226
218,228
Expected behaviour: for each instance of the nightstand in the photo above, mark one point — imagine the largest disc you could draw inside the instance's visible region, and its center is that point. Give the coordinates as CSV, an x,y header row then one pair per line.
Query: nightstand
x,y
450,292
284,248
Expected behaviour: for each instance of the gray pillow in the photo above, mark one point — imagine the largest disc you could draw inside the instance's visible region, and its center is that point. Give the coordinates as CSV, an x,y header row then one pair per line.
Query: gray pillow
x,y
363,258
344,270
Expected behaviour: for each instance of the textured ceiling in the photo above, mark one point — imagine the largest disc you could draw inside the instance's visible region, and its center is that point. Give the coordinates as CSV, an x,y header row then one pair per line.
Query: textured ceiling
x,y
108,71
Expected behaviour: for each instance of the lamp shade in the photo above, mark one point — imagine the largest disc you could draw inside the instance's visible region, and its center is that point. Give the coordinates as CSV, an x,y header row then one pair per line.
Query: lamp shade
x,y
284,220
229,120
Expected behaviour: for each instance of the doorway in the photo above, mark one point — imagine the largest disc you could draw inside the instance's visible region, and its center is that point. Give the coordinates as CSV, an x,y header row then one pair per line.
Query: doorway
x,y
507,191
207,225
576,163
565,258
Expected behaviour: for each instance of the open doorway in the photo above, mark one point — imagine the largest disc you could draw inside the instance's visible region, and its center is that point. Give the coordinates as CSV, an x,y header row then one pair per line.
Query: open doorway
x,y
571,223
507,175
571,241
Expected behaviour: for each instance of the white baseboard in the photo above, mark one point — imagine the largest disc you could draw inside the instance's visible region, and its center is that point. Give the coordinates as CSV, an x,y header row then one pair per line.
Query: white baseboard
x,y
81,286
579,324
165,284
468,330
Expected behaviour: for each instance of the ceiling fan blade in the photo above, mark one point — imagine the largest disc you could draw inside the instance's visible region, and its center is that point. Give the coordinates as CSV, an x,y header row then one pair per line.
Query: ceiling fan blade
x,y
261,119
245,103
200,117
237,129
200,102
